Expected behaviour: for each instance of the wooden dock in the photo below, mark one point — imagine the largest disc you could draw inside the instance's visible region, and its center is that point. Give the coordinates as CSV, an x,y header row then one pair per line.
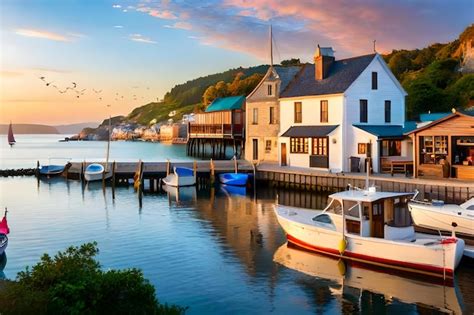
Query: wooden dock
x,y
449,190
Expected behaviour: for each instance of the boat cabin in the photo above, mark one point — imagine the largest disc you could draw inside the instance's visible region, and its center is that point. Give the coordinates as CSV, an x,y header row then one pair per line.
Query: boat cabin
x,y
369,214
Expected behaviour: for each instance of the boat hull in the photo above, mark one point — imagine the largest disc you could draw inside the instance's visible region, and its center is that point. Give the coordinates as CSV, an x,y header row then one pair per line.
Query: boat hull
x,y
179,181
95,172
423,256
442,218
233,179
3,243
51,170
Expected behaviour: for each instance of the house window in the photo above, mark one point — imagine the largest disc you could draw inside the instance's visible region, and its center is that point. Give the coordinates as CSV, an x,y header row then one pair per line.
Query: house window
x,y
320,146
269,90
391,148
272,115
374,81
324,111
299,145
255,116
268,146
388,111
433,149
298,112
363,111
255,149
362,148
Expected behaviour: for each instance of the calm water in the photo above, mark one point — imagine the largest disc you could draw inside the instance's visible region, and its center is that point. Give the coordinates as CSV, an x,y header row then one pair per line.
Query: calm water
x,y
197,247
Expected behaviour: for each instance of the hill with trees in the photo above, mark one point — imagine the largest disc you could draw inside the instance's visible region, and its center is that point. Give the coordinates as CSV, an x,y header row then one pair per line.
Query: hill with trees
x,y
434,77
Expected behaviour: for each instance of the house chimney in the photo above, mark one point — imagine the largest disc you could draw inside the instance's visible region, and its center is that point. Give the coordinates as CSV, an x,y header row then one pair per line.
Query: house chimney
x,y
323,59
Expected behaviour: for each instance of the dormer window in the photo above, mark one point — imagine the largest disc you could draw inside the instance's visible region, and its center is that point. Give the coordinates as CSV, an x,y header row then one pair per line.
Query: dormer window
x,y
374,81
270,90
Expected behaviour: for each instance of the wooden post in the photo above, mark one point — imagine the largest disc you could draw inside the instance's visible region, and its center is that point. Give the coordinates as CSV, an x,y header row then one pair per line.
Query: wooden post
x,y
195,168
167,167
83,169
103,180
212,172
113,180
236,167
37,168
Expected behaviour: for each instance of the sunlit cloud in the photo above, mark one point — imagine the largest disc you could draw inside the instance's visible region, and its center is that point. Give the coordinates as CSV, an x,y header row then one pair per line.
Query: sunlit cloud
x,y
180,25
118,26
124,10
161,14
43,35
116,6
141,39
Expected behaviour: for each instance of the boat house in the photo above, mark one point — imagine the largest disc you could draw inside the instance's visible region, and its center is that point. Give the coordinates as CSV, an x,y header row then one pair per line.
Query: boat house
x,y
445,147
221,125
335,114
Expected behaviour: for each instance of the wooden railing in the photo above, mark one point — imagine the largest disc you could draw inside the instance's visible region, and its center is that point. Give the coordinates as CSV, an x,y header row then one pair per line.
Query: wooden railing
x,y
214,130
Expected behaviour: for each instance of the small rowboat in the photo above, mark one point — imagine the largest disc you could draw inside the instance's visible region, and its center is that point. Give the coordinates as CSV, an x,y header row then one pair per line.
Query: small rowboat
x,y
234,179
95,172
51,170
182,176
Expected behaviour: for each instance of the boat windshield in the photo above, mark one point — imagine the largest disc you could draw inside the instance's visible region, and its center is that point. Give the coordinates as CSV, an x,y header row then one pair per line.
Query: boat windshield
x,y
334,206
325,220
351,208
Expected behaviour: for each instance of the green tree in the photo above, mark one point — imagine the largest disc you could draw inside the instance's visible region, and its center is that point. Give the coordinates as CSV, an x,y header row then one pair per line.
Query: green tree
x,y
462,91
423,96
72,282
291,62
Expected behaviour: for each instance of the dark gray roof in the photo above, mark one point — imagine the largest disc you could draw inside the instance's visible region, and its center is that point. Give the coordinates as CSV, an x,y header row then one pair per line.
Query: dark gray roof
x,y
383,131
341,75
286,74
309,131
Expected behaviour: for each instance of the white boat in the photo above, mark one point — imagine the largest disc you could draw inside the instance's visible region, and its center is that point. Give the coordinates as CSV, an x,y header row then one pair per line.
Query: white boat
x,y
444,217
95,172
182,176
371,227
342,275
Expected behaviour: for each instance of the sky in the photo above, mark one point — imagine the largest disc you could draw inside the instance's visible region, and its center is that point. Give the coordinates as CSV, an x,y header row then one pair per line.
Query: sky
x,y
128,53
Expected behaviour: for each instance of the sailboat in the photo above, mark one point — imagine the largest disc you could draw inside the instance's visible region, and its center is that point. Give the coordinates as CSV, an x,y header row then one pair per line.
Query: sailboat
x,y
96,171
4,230
11,137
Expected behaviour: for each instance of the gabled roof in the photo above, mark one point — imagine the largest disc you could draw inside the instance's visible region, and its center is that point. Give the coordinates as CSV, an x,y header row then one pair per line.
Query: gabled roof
x,y
382,131
284,74
432,116
309,131
226,103
341,75
467,113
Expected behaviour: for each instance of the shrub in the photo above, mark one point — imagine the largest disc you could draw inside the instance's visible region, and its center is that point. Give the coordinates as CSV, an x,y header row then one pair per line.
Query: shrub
x,y
73,283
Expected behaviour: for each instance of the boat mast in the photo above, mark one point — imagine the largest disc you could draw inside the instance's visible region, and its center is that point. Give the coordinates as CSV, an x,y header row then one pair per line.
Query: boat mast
x,y
108,143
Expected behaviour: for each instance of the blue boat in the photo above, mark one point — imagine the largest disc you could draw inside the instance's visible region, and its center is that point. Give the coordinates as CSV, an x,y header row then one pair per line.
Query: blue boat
x,y
51,170
234,179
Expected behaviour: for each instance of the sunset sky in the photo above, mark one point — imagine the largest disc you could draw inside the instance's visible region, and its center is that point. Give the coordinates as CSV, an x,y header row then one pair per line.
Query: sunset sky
x,y
144,48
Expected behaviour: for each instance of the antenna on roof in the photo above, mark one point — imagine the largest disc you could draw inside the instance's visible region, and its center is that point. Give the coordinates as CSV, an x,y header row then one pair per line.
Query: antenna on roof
x,y
271,47
374,45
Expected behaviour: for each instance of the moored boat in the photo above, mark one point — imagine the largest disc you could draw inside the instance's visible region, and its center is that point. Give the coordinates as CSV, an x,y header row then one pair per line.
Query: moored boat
x,y
344,277
439,216
51,170
95,172
182,176
4,231
234,179
372,227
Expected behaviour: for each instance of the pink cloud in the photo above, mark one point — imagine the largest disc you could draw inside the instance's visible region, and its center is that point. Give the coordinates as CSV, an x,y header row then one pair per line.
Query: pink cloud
x,y
180,25
43,35
162,14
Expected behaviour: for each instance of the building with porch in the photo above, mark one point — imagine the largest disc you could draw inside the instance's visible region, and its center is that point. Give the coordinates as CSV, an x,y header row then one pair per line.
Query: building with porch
x,y
445,147
338,111
263,114
221,125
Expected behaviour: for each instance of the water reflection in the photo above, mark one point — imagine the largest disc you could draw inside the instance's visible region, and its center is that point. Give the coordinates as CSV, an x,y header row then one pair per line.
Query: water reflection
x,y
349,283
181,196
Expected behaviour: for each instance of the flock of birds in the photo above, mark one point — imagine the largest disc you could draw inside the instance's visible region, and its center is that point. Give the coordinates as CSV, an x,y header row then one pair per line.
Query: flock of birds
x,y
80,92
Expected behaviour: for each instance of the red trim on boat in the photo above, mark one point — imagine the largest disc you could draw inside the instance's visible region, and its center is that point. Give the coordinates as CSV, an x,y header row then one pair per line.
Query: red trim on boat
x,y
388,262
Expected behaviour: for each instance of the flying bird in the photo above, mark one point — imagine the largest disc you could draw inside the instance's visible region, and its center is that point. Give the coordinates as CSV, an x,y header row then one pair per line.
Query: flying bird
x,y
97,91
74,85
49,83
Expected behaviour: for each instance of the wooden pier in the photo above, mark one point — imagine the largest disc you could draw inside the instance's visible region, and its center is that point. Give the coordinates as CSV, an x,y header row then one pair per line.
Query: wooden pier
x,y
450,191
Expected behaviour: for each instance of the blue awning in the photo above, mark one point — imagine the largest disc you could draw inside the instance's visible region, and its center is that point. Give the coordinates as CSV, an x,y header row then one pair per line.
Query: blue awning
x,y
309,131
226,103
383,131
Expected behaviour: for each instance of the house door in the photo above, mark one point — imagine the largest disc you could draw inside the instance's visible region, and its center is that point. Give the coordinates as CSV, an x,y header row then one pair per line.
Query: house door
x,y
255,149
377,220
283,154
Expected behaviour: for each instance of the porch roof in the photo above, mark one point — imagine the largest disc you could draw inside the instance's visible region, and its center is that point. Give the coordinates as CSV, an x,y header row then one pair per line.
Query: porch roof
x,y
383,131
226,103
309,131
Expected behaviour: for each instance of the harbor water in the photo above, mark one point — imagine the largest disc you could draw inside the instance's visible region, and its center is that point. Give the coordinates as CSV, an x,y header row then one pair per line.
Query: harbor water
x,y
213,250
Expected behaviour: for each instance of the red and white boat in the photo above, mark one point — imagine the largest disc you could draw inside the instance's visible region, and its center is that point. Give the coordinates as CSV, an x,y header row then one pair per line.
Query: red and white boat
x,y
372,227
4,231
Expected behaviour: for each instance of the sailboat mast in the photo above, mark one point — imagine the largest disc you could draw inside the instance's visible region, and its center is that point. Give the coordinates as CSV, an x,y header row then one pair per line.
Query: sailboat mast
x,y
108,145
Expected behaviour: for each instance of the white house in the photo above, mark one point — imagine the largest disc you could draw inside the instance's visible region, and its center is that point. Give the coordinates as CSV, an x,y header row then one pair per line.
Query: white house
x,y
337,109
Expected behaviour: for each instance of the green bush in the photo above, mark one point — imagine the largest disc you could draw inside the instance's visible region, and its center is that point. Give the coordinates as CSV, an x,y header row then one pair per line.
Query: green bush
x,y
73,283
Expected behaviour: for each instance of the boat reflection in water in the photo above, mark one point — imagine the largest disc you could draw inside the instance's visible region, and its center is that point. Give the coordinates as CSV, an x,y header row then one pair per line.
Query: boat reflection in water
x,y
344,277
3,263
181,196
